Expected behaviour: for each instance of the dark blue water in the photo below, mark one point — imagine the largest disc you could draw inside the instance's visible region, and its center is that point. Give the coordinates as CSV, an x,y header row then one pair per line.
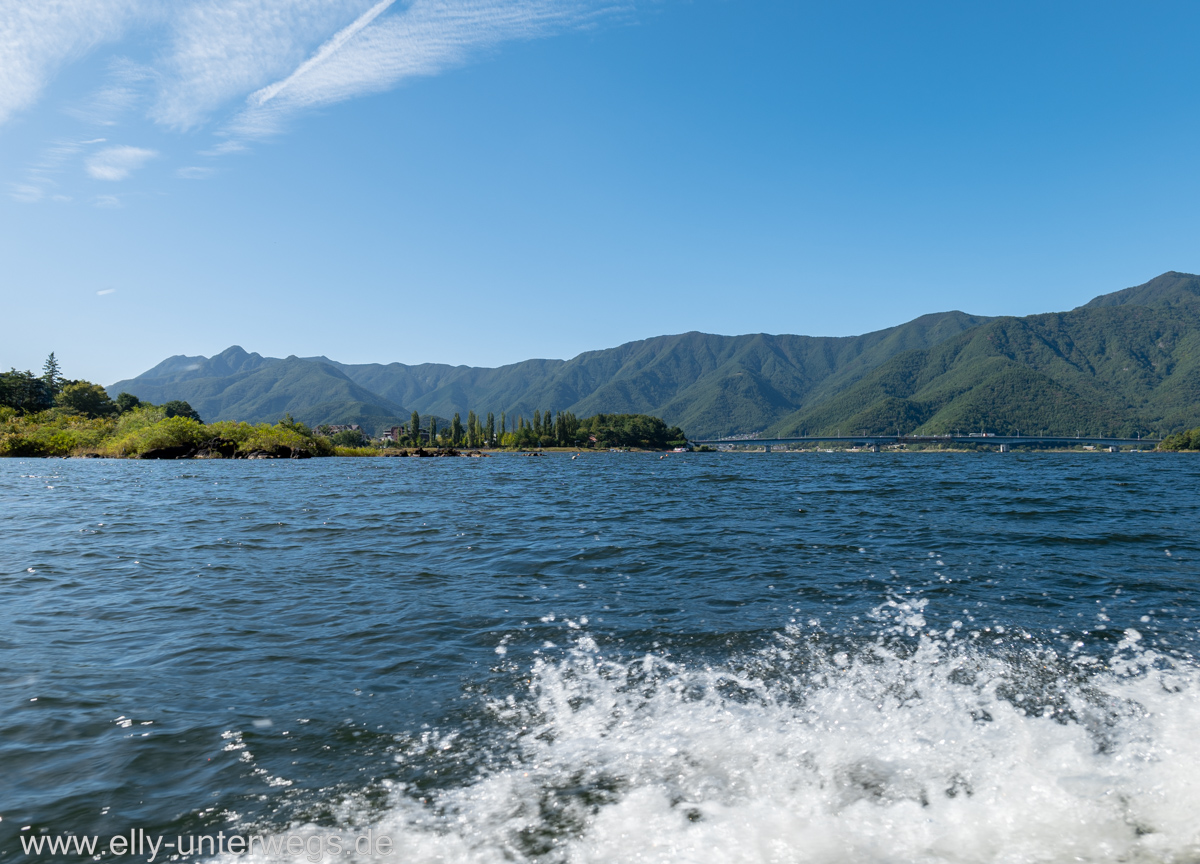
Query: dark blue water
x,y
717,657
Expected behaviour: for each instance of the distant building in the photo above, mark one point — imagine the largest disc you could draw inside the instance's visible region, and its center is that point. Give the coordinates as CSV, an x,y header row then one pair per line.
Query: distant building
x,y
347,427
392,434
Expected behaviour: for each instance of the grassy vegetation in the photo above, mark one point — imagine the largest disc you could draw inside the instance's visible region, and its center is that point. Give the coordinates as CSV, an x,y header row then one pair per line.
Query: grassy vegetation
x,y
61,432
357,451
50,433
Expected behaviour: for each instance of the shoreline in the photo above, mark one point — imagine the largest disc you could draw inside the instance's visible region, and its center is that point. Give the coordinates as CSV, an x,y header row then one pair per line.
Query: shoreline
x,y
386,453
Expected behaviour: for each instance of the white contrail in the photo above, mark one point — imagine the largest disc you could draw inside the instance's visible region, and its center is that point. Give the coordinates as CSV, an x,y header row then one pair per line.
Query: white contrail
x,y
266,94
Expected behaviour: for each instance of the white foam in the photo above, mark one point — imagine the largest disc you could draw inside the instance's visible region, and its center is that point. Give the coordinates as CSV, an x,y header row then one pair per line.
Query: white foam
x,y
941,751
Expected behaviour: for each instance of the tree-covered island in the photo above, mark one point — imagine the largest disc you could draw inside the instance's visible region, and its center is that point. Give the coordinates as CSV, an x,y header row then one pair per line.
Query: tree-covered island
x,y
49,415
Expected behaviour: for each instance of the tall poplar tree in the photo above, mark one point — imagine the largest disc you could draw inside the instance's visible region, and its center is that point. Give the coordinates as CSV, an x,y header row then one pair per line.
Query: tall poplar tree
x,y
414,429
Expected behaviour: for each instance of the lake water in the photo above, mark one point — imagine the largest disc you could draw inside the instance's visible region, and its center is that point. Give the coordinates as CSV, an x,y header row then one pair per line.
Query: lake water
x,y
703,658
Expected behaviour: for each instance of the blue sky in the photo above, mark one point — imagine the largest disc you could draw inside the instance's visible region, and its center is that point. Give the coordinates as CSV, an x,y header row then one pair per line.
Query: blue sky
x,y
480,182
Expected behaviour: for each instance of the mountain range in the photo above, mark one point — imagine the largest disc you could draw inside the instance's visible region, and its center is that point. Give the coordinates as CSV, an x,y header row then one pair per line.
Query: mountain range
x,y
1126,362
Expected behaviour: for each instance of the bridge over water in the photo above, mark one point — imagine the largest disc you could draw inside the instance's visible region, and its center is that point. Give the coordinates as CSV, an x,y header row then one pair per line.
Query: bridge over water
x,y
1004,442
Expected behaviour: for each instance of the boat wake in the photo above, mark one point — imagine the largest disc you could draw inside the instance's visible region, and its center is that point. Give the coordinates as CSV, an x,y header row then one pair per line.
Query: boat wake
x,y
905,746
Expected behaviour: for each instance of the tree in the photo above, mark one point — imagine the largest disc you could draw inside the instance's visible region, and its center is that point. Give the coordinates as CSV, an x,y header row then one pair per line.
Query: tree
x,y
537,422
179,408
349,438
1188,440
51,374
472,431
503,424
490,431
415,428
127,402
84,397
25,392
432,431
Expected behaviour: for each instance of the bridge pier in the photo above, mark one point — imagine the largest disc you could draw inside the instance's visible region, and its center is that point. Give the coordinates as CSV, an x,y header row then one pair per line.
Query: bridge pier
x,y
767,448
874,448
1003,448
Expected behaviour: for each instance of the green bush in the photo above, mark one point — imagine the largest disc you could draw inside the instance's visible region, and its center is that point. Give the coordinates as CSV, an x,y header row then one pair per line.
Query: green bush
x,y
284,434
234,430
15,444
138,418
51,433
168,432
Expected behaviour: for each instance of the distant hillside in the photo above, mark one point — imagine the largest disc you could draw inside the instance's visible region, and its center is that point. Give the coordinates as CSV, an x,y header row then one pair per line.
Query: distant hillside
x,y
708,385
704,383
1102,368
1169,287
235,385
1125,362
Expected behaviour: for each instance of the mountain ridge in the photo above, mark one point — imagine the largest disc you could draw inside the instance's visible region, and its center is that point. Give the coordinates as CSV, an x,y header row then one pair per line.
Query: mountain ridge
x,y
1103,364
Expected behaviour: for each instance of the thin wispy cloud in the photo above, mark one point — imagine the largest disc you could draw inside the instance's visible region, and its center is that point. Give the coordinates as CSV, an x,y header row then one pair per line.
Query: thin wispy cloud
x,y
43,175
38,38
126,86
27,193
426,38
241,67
117,163
194,172
220,50
105,291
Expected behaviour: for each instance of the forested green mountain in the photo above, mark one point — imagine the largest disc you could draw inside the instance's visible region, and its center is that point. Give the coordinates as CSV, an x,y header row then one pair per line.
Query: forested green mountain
x,y
235,385
1169,287
694,380
1112,366
709,385
1125,362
